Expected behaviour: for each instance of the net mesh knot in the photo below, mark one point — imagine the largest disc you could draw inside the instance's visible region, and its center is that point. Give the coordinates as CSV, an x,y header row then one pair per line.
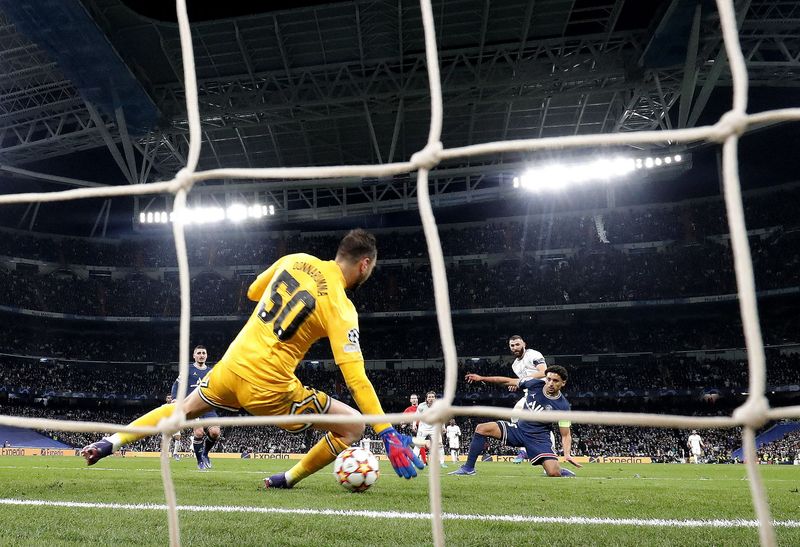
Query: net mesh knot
x,y
439,413
183,180
731,123
753,413
428,157
172,423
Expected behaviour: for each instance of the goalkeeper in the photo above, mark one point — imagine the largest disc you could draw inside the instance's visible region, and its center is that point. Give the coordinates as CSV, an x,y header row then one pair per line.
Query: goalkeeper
x,y
300,299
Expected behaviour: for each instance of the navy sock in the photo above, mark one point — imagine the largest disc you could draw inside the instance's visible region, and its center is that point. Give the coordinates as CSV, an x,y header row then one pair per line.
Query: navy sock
x,y
197,445
475,449
210,442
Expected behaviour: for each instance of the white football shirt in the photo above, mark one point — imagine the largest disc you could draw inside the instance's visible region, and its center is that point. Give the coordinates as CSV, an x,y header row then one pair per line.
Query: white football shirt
x,y
695,441
526,365
453,433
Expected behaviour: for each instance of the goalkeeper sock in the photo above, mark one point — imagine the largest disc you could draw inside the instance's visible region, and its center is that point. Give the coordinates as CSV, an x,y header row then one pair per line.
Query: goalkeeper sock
x,y
151,418
197,445
209,444
320,455
475,449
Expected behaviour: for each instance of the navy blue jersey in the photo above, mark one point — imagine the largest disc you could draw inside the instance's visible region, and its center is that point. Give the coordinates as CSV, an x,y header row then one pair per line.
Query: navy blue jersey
x,y
538,401
195,375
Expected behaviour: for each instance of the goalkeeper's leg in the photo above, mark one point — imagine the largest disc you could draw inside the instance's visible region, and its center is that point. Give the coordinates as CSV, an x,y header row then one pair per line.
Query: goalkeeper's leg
x,y
339,437
193,405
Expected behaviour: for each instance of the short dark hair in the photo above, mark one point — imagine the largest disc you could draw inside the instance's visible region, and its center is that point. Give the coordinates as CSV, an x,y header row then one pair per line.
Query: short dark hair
x,y
431,393
357,244
198,347
516,337
557,369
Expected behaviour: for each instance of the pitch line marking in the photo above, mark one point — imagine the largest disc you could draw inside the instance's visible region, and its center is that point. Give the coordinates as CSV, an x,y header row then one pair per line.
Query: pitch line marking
x,y
675,523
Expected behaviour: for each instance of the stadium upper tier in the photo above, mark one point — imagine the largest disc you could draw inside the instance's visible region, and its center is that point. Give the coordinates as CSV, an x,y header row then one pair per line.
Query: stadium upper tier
x,y
601,274
683,222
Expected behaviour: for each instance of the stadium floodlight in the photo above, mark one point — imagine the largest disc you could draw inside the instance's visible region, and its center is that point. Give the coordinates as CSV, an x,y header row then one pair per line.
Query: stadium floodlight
x,y
559,176
237,212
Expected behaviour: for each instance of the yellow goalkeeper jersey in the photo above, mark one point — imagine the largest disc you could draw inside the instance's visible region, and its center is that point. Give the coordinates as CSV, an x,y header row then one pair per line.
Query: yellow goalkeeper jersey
x,y
300,300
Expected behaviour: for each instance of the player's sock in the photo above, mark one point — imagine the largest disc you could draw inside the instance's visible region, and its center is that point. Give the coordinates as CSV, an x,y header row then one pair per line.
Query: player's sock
x,y
423,454
209,444
475,449
320,455
151,418
197,446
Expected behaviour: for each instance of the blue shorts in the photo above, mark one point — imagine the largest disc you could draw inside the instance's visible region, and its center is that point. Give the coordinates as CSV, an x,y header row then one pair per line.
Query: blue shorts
x,y
209,414
539,448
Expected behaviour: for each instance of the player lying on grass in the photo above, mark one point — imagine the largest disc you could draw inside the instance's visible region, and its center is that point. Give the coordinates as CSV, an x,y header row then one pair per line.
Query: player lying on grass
x,y
300,299
543,395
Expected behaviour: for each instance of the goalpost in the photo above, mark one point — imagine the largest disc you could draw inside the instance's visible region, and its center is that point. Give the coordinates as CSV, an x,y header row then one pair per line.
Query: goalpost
x,y
751,415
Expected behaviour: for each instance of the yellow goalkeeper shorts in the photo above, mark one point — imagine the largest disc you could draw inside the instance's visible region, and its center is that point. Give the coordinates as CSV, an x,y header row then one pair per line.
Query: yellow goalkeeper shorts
x,y
223,389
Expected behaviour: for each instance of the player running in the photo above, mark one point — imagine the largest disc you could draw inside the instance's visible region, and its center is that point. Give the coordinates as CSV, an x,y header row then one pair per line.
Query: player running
x,y
300,299
543,395
204,438
528,363
424,431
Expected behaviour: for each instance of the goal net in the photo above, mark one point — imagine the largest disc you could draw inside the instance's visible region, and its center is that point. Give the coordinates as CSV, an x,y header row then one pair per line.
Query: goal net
x,y
754,413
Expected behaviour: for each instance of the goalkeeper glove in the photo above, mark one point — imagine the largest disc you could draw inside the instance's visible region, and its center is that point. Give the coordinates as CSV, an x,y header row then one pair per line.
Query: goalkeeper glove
x,y
400,455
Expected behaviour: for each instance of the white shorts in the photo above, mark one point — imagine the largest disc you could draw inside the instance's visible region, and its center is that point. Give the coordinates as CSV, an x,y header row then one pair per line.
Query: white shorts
x,y
424,431
697,452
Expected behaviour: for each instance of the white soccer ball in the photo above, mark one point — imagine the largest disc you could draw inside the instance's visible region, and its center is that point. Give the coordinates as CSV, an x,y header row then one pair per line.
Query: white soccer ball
x,y
356,469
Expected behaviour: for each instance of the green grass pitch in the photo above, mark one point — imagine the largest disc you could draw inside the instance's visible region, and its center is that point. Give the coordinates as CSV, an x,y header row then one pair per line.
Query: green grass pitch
x,y
255,516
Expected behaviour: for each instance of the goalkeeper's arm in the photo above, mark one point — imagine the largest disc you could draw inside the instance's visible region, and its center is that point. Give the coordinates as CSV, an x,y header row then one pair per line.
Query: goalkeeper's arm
x,y
397,445
362,391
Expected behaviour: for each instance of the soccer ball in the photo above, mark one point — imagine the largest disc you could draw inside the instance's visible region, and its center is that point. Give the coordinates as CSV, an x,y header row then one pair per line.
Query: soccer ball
x,y
356,469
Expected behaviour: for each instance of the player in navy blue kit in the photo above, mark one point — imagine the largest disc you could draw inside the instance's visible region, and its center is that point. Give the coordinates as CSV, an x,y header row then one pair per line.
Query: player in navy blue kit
x,y
204,438
543,395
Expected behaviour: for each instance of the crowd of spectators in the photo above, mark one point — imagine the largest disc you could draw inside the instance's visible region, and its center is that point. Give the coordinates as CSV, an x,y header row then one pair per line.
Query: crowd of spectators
x,y
684,222
785,450
604,275
594,441
621,377
660,331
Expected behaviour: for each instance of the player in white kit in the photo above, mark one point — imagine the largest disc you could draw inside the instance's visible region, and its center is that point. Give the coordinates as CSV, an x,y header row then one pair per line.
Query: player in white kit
x,y
696,446
453,433
528,363
424,431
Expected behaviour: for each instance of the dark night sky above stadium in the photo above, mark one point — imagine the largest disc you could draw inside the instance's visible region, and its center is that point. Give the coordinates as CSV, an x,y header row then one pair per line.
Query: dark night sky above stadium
x,y
767,157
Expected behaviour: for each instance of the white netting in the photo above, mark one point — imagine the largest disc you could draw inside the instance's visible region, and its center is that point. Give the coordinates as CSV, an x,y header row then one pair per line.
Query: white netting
x,y
754,413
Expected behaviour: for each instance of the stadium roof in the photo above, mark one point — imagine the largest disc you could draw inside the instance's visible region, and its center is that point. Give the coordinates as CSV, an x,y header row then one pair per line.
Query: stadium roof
x,y
346,83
